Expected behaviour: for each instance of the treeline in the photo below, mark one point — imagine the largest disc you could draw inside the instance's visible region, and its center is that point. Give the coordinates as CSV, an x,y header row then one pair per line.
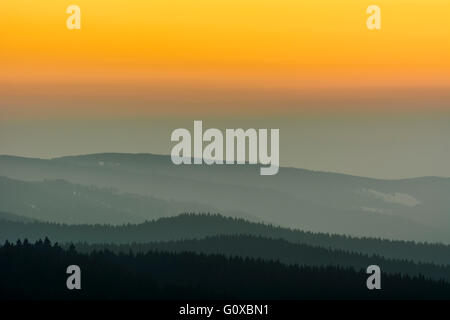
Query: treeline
x,y
277,250
38,271
194,226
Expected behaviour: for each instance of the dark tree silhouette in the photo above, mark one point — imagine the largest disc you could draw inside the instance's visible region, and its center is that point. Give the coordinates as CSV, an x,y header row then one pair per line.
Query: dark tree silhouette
x,y
38,271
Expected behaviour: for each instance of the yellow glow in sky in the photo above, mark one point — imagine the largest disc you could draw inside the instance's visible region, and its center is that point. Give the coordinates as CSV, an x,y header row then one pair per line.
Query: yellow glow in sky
x,y
321,42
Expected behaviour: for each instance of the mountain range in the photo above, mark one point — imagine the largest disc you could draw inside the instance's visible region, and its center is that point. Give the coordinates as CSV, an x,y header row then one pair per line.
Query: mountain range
x,y
114,188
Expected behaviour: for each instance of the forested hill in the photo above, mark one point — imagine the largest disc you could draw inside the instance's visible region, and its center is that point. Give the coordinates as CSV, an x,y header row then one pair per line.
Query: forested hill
x,y
407,209
153,275
276,250
192,226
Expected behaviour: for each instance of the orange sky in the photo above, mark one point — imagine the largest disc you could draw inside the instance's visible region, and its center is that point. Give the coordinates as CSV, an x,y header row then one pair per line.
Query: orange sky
x,y
298,39
283,47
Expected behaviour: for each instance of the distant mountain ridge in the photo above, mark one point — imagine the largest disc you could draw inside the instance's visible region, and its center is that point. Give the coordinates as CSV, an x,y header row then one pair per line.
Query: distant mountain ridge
x,y
410,209
63,202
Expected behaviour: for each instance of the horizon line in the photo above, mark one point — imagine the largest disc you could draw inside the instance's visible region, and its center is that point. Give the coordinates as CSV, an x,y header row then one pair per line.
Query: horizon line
x,y
254,164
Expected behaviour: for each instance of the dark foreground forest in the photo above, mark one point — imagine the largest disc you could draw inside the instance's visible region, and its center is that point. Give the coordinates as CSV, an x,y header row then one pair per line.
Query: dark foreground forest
x,y
38,271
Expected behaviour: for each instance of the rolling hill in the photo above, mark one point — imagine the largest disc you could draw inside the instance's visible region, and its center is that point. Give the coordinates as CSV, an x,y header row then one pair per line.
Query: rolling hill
x,y
277,250
64,202
196,227
409,209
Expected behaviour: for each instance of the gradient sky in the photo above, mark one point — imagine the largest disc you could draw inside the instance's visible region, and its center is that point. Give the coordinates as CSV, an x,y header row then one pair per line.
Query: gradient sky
x,y
347,99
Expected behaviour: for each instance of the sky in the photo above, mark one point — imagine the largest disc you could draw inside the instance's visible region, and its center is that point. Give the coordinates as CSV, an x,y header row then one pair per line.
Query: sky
x,y
345,98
